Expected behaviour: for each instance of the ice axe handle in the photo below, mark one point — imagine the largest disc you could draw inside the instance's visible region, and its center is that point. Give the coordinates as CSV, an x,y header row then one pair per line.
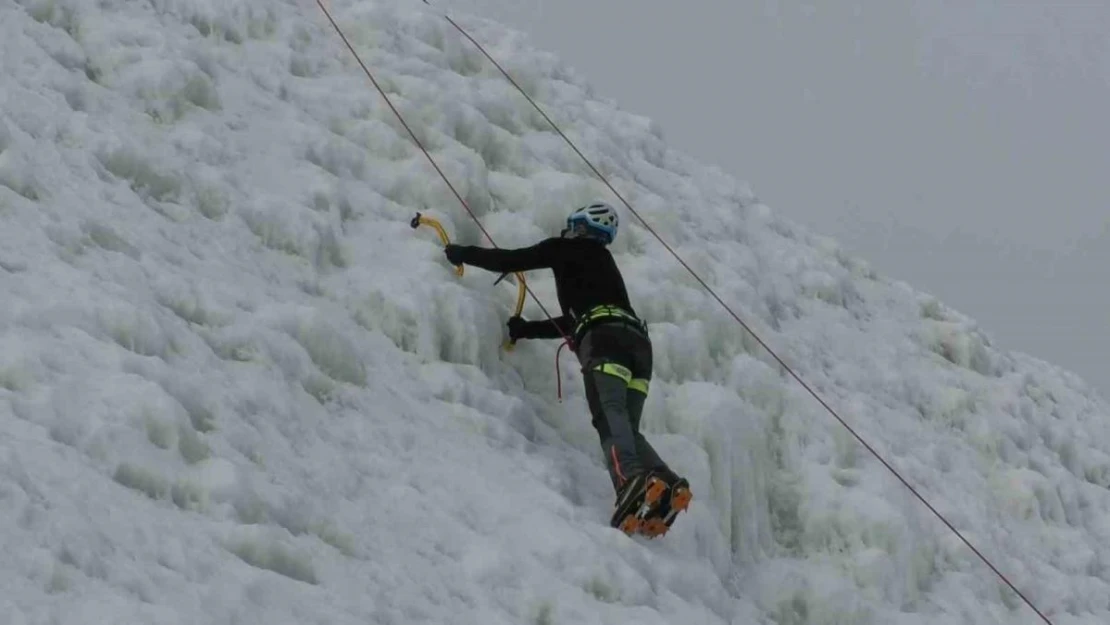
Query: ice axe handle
x,y
420,219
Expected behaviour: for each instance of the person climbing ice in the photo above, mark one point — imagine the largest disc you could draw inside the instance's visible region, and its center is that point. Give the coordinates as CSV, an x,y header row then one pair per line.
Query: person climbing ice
x,y
614,349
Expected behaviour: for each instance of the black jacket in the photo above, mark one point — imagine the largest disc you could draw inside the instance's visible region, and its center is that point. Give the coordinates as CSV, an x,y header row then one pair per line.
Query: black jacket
x,y
585,276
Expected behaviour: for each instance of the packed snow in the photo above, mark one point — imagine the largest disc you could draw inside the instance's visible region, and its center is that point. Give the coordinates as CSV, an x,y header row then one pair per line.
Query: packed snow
x,y
237,387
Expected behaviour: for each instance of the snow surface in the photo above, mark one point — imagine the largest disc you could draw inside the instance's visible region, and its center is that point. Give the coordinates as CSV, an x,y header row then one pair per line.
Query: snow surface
x,y
236,387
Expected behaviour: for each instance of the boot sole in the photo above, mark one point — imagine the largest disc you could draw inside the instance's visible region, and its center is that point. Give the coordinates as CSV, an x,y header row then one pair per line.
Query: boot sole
x,y
653,494
680,500
630,525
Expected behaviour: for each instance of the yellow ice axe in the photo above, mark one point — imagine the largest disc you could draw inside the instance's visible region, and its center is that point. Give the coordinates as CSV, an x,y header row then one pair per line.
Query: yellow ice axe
x,y
522,289
428,221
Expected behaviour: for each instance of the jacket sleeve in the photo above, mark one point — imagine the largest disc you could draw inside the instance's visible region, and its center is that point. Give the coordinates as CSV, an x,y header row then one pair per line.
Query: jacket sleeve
x,y
538,256
556,328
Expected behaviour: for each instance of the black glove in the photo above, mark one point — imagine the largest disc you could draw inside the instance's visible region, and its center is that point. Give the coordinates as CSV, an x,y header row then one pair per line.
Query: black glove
x,y
455,253
516,327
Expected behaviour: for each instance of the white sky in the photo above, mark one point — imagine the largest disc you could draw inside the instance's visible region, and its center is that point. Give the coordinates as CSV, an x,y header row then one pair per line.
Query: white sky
x,y
961,146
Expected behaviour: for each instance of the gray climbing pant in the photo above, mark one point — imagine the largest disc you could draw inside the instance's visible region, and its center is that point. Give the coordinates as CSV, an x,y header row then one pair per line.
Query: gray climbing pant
x,y
616,369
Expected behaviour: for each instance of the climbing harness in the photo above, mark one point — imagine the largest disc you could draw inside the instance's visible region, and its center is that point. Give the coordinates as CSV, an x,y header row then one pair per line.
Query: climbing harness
x,y
592,316
607,311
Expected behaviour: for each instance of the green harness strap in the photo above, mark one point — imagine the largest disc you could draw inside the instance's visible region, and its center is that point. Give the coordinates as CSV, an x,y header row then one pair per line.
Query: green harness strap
x,y
602,311
611,368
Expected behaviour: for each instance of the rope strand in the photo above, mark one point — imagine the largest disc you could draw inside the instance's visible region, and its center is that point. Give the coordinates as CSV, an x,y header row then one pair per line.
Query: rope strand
x,y
423,149
745,326
709,289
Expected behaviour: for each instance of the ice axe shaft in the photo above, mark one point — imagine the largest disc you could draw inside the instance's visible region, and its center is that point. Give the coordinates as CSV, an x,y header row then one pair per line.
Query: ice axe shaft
x,y
419,220
522,288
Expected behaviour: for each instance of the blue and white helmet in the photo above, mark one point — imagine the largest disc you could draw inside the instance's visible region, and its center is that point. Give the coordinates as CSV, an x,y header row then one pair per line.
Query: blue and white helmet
x,y
599,218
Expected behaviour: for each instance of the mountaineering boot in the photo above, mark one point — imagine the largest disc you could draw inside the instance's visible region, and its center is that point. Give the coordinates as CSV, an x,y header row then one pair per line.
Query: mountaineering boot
x,y
630,498
637,499
674,498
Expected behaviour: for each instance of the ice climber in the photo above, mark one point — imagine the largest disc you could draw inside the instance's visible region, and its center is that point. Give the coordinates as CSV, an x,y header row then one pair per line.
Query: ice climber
x,y
614,349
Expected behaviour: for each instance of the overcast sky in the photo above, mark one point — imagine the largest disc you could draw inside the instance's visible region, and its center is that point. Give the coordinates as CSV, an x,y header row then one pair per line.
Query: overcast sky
x,y
962,146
